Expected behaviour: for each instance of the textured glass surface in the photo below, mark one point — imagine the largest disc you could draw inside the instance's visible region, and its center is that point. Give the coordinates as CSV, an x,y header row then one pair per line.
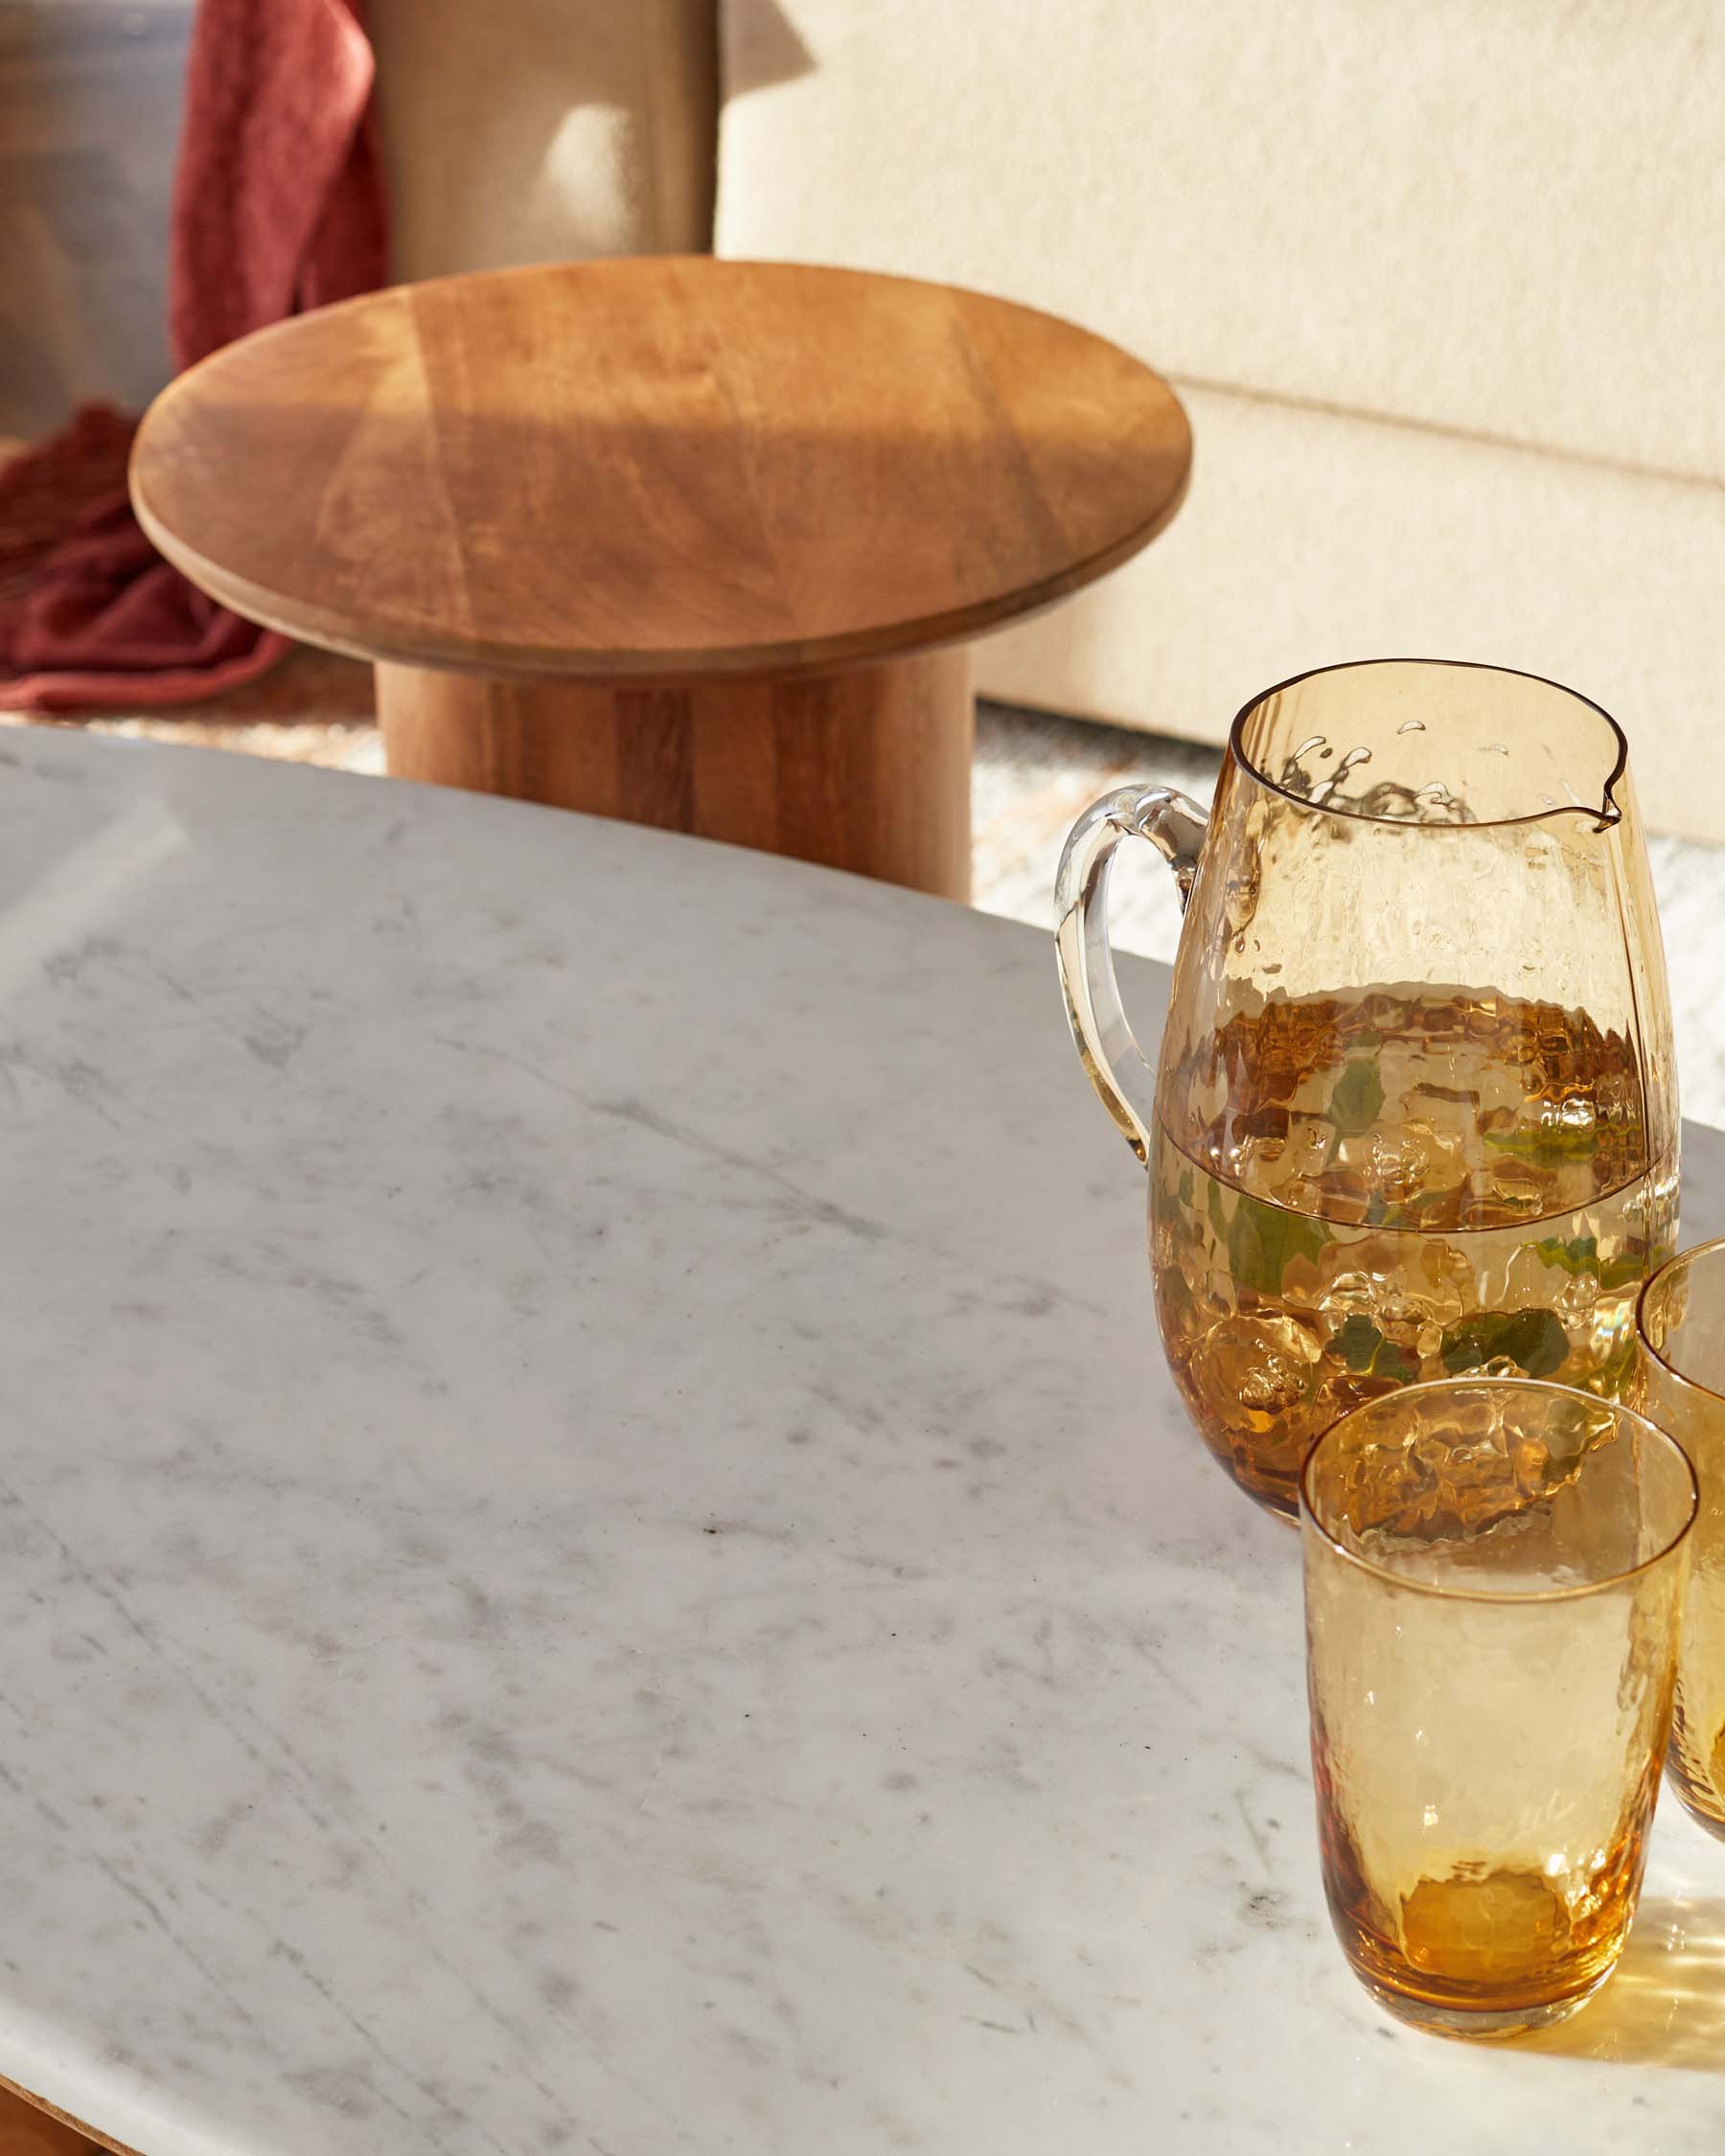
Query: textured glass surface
x,y
1680,1384
1493,1571
1415,1111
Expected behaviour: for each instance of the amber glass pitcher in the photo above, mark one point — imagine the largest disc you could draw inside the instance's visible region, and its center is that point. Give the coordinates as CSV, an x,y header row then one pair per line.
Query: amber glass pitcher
x,y
1415,1111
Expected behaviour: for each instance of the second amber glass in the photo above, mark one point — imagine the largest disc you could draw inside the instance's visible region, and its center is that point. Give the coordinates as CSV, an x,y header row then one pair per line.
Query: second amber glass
x,y
1494,1570
1680,1384
1415,1111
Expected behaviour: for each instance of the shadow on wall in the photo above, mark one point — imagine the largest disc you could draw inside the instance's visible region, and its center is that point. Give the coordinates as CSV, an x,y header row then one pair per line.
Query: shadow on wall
x,y
761,47
570,128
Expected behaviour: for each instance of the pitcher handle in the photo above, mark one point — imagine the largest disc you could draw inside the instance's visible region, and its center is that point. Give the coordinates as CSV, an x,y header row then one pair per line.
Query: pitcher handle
x,y
1175,826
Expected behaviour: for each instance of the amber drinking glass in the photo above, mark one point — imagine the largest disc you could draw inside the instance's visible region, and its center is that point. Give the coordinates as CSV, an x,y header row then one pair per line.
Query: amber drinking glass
x,y
1680,1384
1415,1111
1494,1570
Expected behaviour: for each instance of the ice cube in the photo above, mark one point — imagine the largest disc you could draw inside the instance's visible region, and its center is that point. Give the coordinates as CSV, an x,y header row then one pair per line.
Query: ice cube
x,y
1250,1372
1411,1160
1518,1185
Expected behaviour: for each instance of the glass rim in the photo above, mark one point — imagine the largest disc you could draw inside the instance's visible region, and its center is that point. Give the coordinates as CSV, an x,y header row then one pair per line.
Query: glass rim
x,y
1606,816
1540,1595
1678,1261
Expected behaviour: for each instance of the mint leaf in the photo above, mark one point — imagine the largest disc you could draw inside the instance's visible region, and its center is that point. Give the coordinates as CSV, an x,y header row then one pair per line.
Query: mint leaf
x,y
1185,1192
1532,1338
1357,1097
1364,1348
1217,1216
1581,1254
1357,1343
1263,1241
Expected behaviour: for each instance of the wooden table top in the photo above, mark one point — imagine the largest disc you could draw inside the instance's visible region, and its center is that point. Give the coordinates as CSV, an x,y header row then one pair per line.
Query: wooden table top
x,y
657,468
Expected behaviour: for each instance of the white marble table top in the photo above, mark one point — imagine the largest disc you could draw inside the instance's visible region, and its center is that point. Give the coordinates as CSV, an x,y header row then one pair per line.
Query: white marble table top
x,y
595,1552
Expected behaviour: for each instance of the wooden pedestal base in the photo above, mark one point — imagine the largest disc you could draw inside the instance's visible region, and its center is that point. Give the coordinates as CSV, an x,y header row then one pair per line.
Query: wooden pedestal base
x,y
867,770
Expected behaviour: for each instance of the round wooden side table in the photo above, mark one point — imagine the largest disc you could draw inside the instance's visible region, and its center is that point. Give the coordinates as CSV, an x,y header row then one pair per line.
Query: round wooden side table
x,y
693,542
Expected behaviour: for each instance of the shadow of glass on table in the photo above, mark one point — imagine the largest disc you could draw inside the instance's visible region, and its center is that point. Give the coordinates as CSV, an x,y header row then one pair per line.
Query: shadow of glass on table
x,y
1666,2003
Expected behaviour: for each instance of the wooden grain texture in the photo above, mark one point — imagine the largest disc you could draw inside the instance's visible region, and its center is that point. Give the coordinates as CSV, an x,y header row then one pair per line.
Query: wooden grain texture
x,y
657,470
867,770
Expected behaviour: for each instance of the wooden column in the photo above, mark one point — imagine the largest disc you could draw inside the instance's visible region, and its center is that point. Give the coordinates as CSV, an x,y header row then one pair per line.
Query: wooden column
x,y
867,770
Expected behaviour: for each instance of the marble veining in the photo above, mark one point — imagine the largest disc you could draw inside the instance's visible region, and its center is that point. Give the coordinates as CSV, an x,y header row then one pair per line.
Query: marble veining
x,y
596,1549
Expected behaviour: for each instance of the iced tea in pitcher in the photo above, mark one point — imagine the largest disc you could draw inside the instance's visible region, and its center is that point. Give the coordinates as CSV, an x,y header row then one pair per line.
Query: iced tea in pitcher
x,y
1415,1112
